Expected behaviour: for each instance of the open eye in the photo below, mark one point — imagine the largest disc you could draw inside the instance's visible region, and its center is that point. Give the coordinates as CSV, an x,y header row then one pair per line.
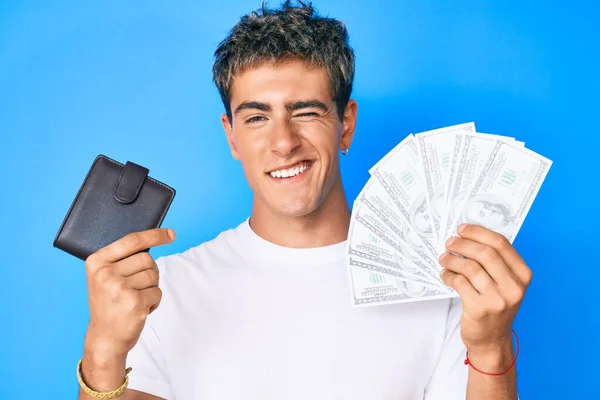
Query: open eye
x,y
255,119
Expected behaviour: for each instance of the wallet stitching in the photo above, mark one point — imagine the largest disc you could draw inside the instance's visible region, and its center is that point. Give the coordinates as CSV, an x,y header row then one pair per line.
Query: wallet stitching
x,y
137,191
155,181
117,186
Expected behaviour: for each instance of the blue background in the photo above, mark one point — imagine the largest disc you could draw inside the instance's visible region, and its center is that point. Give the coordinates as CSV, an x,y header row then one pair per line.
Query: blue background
x,y
133,80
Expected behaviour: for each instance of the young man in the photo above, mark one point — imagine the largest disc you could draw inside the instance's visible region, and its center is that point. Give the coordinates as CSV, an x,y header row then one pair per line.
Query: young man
x,y
262,311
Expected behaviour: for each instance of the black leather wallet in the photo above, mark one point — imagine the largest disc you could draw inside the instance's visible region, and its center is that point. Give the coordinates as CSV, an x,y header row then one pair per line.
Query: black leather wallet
x,y
113,201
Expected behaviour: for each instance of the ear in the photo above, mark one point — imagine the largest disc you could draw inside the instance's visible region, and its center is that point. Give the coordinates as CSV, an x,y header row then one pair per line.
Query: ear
x,y
348,124
229,134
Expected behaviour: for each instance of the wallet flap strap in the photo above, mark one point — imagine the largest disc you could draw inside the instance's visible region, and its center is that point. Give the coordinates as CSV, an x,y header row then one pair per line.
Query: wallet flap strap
x,y
130,182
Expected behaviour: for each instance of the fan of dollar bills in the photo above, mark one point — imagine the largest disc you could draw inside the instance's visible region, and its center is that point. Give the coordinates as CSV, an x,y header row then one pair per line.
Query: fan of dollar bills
x,y
416,197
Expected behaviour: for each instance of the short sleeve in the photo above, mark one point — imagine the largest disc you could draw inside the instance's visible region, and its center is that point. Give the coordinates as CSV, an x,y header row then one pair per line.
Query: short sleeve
x,y
449,378
148,369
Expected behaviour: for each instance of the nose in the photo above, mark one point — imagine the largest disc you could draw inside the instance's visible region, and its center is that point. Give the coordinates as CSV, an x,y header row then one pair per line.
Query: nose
x,y
284,138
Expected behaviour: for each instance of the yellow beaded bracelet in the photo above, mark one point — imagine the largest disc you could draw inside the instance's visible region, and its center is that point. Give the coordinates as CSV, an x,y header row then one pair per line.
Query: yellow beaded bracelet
x,y
102,395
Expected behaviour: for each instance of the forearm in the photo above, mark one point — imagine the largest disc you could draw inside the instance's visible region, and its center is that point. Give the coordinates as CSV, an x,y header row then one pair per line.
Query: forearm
x,y
492,360
102,371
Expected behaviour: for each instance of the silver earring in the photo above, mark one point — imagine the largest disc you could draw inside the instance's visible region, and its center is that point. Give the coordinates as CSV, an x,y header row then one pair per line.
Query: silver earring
x,y
344,152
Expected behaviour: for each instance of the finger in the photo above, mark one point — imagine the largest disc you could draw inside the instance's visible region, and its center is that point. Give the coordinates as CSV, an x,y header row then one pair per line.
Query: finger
x,y
133,243
486,256
145,279
475,305
151,298
135,264
506,250
470,269
463,287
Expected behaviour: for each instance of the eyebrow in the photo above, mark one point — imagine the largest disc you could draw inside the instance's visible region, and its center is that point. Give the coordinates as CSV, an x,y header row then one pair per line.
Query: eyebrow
x,y
256,105
307,104
248,105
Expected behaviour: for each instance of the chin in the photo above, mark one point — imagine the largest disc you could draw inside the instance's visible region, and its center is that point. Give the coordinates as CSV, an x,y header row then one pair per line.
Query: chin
x,y
294,208
295,211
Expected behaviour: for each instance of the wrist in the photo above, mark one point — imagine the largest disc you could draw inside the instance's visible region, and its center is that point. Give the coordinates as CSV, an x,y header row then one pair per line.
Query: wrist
x,y
103,366
102,360
492,357
103,350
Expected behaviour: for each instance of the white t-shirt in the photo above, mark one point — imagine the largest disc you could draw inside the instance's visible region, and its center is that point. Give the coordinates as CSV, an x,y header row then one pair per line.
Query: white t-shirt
x,y
243,318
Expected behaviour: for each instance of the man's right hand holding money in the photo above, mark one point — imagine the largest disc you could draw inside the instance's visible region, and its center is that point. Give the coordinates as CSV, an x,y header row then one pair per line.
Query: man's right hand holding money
x,y
122,291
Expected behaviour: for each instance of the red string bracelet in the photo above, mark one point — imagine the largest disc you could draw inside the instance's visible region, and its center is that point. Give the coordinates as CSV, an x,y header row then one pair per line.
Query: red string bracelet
x,y
467,361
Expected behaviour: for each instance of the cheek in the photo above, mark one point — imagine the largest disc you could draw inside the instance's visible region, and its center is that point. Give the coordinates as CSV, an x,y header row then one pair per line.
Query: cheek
x,y
324,138
329,149
250,147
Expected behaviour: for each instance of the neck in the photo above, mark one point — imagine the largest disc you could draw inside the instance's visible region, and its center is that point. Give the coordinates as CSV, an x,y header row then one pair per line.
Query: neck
x,y
325,226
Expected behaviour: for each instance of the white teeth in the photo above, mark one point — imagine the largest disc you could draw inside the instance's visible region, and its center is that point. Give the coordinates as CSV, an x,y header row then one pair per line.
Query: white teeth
x,y
287,173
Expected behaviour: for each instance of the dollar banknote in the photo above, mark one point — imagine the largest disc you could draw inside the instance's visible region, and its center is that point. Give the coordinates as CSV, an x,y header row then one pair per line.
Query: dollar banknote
x,y
417,195
438,148
371,288
400,174
376,198
505,189
474,153
376,212
370,239
408,279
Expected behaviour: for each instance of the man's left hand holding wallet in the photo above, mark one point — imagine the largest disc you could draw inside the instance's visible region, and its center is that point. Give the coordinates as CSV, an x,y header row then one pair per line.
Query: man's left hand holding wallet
x,y
123,290
112,223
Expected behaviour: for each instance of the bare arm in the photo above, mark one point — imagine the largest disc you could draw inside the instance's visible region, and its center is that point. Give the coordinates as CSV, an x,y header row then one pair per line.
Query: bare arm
x,y
491,279
122,290
103,373
495,360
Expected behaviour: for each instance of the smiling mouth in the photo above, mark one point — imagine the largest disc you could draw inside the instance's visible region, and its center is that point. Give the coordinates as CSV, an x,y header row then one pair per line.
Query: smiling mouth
x,y
291,172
